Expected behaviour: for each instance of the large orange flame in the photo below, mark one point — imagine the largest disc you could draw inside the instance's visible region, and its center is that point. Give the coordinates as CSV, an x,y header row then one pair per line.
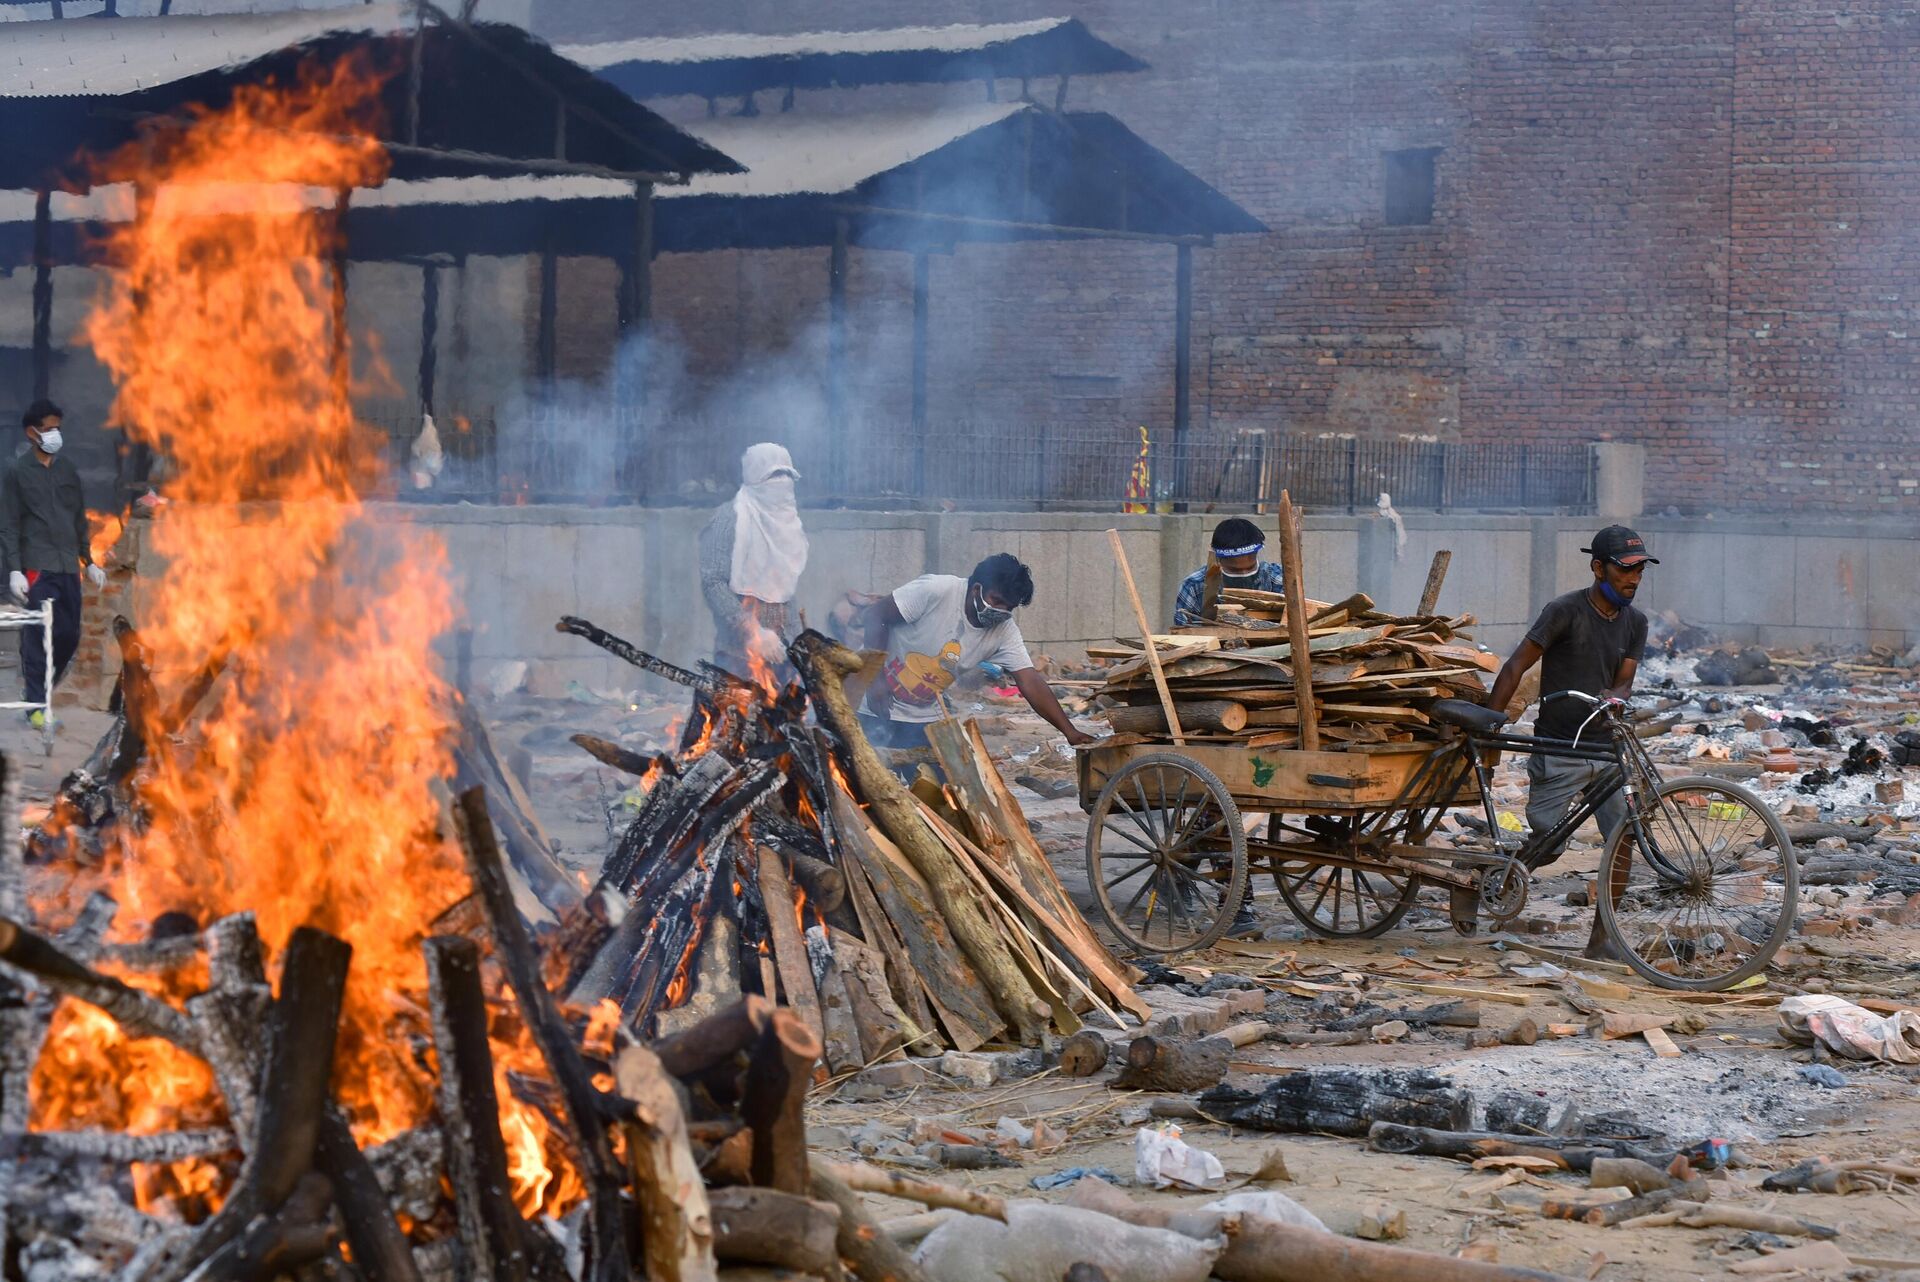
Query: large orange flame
x,y
303,793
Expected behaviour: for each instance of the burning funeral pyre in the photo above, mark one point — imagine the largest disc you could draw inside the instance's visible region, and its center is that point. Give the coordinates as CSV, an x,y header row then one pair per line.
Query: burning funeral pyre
x,y
273,1003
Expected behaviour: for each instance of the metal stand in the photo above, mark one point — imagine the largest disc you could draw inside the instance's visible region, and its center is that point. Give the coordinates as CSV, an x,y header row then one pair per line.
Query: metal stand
x,y
16,619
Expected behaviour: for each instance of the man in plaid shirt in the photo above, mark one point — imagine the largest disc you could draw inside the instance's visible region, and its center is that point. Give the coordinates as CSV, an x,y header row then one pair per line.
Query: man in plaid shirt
x,y
1236,546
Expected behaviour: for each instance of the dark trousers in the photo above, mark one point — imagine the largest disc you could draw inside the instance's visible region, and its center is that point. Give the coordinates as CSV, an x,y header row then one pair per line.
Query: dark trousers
x,y
64,591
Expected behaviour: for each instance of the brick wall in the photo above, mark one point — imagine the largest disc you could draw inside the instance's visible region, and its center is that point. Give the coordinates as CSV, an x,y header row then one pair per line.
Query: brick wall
x,y
1680,223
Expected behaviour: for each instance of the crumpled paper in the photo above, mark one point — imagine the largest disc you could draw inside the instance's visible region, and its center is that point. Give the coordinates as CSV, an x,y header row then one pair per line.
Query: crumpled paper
x,y
1161,1159
1849,1030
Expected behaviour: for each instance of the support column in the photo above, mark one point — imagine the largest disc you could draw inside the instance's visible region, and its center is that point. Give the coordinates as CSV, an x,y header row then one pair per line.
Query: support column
x,y
429,333
837,352
342,354
922,276
1182,363
546,360
42,295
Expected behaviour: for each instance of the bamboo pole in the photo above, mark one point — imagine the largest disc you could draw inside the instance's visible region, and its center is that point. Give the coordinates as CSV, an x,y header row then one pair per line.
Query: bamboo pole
x,y
1146,638
1299,657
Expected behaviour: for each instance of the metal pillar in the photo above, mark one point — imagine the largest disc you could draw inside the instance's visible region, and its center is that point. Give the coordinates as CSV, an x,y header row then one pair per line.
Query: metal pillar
x,y
1182,361
42,295
837,350
921,279
429,333
546,362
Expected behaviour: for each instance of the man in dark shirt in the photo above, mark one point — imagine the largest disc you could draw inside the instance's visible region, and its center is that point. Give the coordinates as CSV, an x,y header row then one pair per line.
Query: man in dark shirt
x,y
43,540
1590,640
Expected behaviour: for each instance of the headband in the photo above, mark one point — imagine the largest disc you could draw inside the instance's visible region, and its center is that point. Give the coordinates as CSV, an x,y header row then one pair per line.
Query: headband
x,y
1248,550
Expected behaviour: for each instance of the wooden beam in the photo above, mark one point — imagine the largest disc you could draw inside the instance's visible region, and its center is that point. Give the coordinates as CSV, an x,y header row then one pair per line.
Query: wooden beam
x,y
1297,622
1146,634
1436,575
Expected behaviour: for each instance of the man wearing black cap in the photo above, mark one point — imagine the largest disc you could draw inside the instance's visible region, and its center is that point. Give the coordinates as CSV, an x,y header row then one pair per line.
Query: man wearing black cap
x,y
1236,546
1590,640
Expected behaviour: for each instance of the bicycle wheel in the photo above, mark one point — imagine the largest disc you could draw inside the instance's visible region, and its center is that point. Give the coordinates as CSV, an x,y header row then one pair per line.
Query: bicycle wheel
x,y
1166,856
1709,897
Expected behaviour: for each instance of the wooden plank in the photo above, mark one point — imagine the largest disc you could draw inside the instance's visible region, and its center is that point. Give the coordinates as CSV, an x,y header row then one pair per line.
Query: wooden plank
x,y
879,930
1358,603
1037,884
789,949
1294,576
1662,1044
1436,575
988,875
1153,654
1460,990
954,990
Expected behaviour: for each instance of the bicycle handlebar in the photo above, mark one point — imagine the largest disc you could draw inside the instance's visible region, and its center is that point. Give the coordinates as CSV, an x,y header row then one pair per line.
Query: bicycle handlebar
x,y
1592,701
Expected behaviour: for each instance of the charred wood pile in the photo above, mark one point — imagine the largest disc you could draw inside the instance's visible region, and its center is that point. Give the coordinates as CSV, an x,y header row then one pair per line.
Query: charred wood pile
x,y
781,909
783,859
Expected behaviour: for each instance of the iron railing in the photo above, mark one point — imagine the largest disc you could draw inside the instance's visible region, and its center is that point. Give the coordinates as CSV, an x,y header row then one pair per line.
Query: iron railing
x,y
548,456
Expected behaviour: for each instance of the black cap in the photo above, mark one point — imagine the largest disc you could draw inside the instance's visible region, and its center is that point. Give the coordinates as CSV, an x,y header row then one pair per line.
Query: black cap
x,y
1621,546
1237,536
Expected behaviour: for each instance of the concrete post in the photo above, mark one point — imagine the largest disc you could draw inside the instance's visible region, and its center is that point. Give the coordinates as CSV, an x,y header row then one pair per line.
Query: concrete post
x,y
1619,479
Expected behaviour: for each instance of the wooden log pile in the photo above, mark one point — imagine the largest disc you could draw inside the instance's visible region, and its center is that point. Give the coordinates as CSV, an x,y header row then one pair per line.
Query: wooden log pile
x,y
779,858
1374,675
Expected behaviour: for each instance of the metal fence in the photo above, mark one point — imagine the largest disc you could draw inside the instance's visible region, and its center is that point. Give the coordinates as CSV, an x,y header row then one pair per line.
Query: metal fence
x,y
611,458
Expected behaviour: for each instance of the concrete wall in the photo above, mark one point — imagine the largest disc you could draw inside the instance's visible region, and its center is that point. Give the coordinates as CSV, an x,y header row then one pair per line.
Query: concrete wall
x,y
632,570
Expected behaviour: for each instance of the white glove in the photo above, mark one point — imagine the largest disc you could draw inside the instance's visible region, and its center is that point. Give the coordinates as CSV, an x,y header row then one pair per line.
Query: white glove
x,y
17,584
96,576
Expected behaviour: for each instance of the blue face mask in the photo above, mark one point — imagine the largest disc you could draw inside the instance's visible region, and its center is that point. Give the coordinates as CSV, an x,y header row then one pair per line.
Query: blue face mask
x,y
1613,597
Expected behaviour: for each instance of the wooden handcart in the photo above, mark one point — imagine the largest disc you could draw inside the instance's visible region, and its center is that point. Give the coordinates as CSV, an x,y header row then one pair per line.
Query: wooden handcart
x,y
1345,835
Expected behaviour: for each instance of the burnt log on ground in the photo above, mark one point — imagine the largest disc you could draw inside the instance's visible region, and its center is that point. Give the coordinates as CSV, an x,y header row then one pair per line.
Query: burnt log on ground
x,y
293,1094
1462,1014
607,1255
774,1108
1574,1154
766,1226
491,1232
1341,1101
138,1013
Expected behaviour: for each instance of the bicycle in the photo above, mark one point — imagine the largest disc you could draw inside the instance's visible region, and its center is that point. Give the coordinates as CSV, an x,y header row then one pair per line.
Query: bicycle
x,y
1696,889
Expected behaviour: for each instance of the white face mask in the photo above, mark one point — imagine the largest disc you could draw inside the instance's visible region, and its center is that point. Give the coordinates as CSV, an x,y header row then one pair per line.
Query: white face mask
x,y
50,440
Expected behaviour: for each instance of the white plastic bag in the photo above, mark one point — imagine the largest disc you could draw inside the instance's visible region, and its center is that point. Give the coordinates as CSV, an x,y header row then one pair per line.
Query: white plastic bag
x,y
1268,1205
1161,1158
1849,1030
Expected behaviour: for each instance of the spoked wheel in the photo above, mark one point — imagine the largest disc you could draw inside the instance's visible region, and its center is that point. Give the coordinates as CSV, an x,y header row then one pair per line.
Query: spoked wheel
x,y
1166,856
1710,896
1345,903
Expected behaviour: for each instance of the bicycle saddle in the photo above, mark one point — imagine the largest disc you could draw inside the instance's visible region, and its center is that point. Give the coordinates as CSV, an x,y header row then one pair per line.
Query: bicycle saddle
x,y
1468,716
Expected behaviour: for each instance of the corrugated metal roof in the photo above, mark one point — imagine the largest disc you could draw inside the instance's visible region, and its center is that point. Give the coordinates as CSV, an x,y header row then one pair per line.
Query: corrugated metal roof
x,y
50,59
740,63
960,37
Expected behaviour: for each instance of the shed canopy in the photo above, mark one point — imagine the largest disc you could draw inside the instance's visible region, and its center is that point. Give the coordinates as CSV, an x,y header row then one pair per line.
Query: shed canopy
x,y
490,98
905,180
717,65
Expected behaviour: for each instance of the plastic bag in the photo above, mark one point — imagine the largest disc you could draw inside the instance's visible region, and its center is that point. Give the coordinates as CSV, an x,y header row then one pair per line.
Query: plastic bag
x,y
1849,1030
1161,1158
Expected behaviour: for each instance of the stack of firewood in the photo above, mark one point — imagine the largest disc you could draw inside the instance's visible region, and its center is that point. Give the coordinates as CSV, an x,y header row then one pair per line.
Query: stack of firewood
x,y
1374,675
775,858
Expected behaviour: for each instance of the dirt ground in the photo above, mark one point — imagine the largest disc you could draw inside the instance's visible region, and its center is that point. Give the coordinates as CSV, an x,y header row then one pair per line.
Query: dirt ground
x,y
1736,1078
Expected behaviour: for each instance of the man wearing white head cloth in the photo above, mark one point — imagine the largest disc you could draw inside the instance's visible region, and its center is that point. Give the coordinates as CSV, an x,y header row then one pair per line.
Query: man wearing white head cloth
x,y
751,554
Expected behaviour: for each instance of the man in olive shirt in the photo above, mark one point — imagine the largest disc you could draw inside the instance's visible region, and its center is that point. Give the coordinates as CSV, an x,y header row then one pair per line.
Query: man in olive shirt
x,y
43,540
1591,640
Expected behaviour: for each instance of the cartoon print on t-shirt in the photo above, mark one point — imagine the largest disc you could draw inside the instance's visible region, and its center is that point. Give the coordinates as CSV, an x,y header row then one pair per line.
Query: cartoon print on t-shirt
x,y
919,679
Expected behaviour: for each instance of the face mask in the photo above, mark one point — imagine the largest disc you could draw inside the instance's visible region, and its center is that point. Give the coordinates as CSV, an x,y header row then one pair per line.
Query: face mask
x,y
50,440
1241,580
1613,597
987,616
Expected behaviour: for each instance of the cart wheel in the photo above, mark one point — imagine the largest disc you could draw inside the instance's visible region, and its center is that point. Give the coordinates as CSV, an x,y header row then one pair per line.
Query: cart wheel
x,y
1345,903
1166,857
1704,895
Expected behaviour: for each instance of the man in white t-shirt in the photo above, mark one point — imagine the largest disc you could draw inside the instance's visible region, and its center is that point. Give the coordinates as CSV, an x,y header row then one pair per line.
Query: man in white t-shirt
x,y
939,626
